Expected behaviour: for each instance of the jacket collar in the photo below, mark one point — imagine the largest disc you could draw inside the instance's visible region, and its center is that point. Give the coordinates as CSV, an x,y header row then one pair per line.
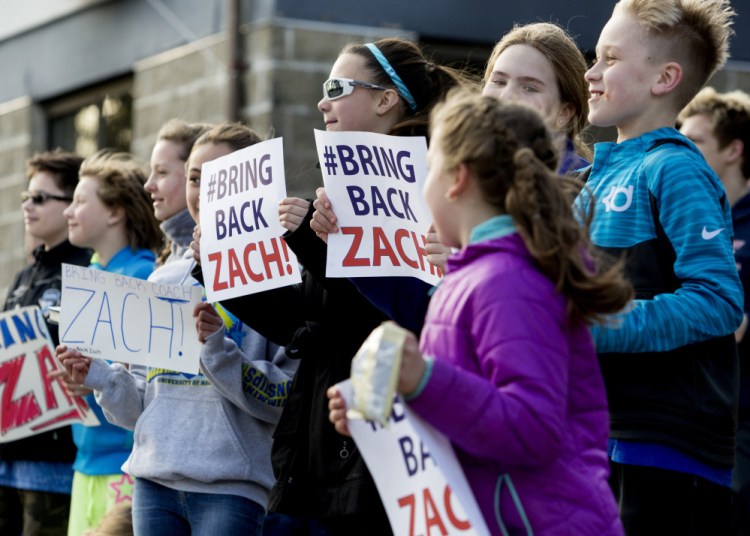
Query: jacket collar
x,y
57,255
179,228
496,227
496,234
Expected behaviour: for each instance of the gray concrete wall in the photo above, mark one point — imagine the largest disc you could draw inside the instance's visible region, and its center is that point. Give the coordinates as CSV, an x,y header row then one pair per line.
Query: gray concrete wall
x,y
288,59
189,83
20,125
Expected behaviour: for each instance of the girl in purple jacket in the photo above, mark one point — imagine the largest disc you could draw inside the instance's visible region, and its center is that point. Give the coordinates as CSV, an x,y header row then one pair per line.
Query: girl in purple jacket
x,y
506,367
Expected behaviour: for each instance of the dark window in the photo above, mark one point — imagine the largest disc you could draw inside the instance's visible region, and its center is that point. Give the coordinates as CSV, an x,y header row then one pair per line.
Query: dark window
x,y
92,119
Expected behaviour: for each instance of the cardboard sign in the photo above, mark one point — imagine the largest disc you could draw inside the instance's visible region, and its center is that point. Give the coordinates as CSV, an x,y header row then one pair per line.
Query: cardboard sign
x,y
32,402
418,477
374,183
120,318
242,251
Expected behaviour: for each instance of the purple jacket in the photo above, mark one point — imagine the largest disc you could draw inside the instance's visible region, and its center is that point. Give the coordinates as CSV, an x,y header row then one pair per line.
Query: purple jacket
x,y
518,391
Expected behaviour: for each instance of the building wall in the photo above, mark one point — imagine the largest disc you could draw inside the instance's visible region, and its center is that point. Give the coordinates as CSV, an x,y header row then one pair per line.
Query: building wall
x,y
189,83
20,127
287,61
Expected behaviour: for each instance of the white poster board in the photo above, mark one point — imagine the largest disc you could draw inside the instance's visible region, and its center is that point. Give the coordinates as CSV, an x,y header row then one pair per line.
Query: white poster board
x,y
120,318
374,183
418,477
242,251
32,402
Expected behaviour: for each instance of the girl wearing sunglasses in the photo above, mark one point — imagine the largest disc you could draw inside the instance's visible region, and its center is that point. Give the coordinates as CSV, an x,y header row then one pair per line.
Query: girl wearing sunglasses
x,y
35,472
387,87
537,64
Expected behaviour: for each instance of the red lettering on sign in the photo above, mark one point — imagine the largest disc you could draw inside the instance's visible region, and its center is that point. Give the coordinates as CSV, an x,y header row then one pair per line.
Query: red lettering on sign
x,y
410,502
16,412
46,365
274,261
433,519
351,259
458,523
392,248
431,514
216,258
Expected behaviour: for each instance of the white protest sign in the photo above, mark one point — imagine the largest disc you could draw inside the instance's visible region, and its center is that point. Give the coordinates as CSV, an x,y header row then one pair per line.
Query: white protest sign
x,y
374,183
32,402
418,477
120,318
242,251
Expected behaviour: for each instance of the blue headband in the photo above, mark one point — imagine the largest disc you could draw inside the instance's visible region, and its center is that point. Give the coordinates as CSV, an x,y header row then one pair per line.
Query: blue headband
x,y
395,78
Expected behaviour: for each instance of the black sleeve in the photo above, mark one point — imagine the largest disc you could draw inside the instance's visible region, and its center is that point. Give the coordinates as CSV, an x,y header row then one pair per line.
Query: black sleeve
x,y
276,314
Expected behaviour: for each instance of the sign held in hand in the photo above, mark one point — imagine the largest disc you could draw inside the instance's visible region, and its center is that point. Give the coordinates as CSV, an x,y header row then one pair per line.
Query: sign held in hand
x,y
129,320
242,251
32,401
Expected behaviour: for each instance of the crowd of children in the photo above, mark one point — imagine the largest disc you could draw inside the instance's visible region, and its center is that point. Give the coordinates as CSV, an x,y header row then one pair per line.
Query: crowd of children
x,y
580,352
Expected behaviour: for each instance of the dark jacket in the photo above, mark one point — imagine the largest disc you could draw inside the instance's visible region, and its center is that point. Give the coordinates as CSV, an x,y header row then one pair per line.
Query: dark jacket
x,y
322,322
40,284
741,220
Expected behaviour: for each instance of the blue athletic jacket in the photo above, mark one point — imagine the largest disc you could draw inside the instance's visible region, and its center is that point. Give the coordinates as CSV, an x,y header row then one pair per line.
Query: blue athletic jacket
x,y
669,361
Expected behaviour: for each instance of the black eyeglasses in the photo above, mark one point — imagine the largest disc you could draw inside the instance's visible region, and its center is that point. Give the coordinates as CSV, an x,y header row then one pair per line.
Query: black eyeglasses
x,y
335,88
40,198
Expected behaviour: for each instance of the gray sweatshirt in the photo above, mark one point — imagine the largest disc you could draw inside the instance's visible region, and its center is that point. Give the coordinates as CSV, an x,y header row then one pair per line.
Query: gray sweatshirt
x,y
210,432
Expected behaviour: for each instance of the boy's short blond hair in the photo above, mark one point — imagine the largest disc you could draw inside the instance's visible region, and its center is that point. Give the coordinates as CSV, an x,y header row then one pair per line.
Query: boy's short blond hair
x,y
693,33
730,118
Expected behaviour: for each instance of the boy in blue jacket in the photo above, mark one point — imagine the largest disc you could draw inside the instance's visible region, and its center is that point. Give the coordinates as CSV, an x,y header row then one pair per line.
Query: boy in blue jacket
x,y
669,361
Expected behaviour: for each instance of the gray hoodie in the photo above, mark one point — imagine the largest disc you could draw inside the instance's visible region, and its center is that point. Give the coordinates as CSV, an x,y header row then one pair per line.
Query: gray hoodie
x,y
210,432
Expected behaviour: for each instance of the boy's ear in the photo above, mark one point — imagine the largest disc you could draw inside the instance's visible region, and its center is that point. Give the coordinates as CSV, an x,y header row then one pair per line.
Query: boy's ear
x,y
669,79
388,99
734,150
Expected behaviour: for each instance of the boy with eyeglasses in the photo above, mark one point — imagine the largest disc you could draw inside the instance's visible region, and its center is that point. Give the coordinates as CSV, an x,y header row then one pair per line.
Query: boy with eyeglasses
x,y
36,473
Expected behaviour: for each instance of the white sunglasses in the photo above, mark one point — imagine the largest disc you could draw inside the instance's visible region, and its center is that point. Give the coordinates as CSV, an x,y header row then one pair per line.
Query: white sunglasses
x,y
335,88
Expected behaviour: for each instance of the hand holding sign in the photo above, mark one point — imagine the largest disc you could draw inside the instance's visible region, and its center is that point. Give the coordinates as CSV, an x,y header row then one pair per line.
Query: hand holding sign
x,y
72,387
130,320
323,219
419,479
195,245
437,252
207,320
76,364
292,210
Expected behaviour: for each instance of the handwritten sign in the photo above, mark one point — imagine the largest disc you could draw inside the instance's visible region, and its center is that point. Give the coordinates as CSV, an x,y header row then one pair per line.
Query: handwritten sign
x,y
374,183
418,477
130,320
32,402
242,251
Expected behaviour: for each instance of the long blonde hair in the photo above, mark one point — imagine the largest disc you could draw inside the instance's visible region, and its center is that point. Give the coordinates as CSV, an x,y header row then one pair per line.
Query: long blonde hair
x,y
568,64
